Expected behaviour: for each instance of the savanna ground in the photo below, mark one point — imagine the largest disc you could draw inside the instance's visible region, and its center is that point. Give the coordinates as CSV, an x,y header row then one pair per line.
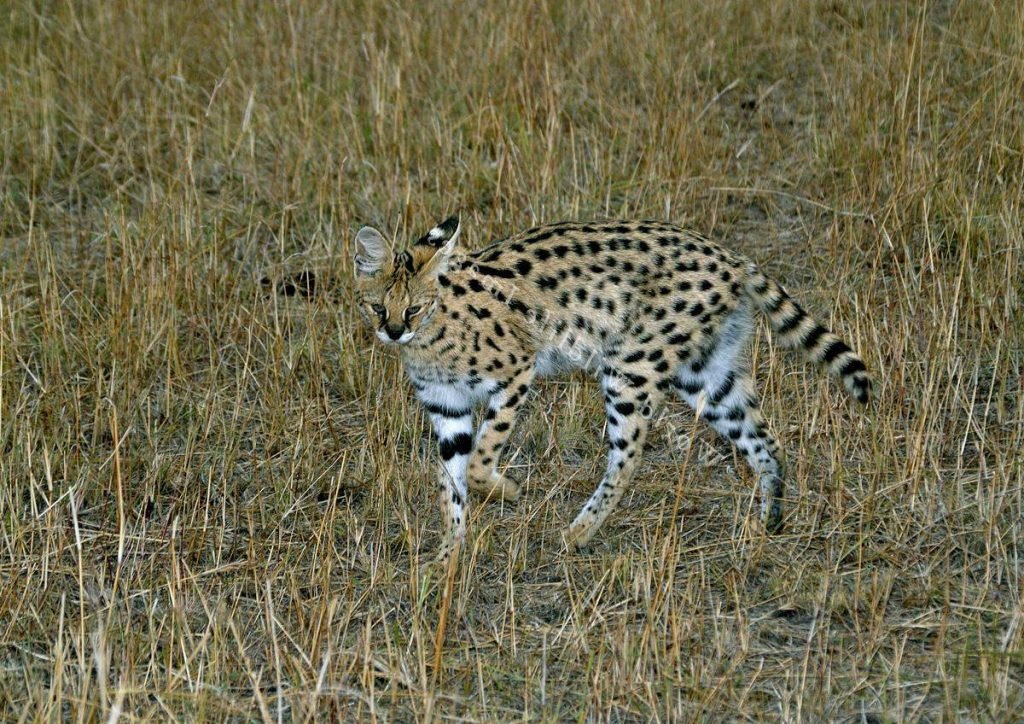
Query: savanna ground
x,y
214,499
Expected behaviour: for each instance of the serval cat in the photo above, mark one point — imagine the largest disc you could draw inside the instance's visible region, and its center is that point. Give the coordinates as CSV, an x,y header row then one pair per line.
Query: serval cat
x,y
649,307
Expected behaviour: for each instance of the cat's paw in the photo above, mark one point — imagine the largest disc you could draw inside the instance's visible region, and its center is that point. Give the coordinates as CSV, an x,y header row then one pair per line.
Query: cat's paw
x,y
497,486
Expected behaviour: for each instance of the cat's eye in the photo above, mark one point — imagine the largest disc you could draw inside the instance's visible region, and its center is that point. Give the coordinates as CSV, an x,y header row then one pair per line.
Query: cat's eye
x,y
379,309
413,311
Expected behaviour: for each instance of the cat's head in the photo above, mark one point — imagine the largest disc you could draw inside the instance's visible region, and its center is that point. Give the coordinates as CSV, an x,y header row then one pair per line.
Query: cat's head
x,y
397,292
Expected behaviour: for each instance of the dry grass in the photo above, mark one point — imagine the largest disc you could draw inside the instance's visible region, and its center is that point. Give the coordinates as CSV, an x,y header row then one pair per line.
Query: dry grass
x,y
213,500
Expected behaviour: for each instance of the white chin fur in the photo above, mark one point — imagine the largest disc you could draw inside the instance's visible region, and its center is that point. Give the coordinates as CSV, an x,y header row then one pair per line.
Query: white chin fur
x,y
383,337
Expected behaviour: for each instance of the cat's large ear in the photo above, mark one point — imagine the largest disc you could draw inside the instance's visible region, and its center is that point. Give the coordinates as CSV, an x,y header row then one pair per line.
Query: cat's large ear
x,y
371,250
444,233
445,238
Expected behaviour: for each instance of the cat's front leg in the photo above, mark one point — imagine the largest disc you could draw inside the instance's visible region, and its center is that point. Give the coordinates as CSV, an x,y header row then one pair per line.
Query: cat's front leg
x,y
451,415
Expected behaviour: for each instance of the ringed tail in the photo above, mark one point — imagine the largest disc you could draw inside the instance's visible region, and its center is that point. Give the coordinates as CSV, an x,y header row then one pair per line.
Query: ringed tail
x,y
795,329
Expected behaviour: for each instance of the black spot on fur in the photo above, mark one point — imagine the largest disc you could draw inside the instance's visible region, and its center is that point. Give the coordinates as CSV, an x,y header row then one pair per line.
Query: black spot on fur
x,y
851,366
461,444
445,411
791,323
725,389
834,349
691,388
813,336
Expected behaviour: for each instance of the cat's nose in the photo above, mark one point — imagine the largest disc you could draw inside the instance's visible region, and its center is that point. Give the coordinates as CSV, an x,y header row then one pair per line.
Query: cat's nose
x,y
393,332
